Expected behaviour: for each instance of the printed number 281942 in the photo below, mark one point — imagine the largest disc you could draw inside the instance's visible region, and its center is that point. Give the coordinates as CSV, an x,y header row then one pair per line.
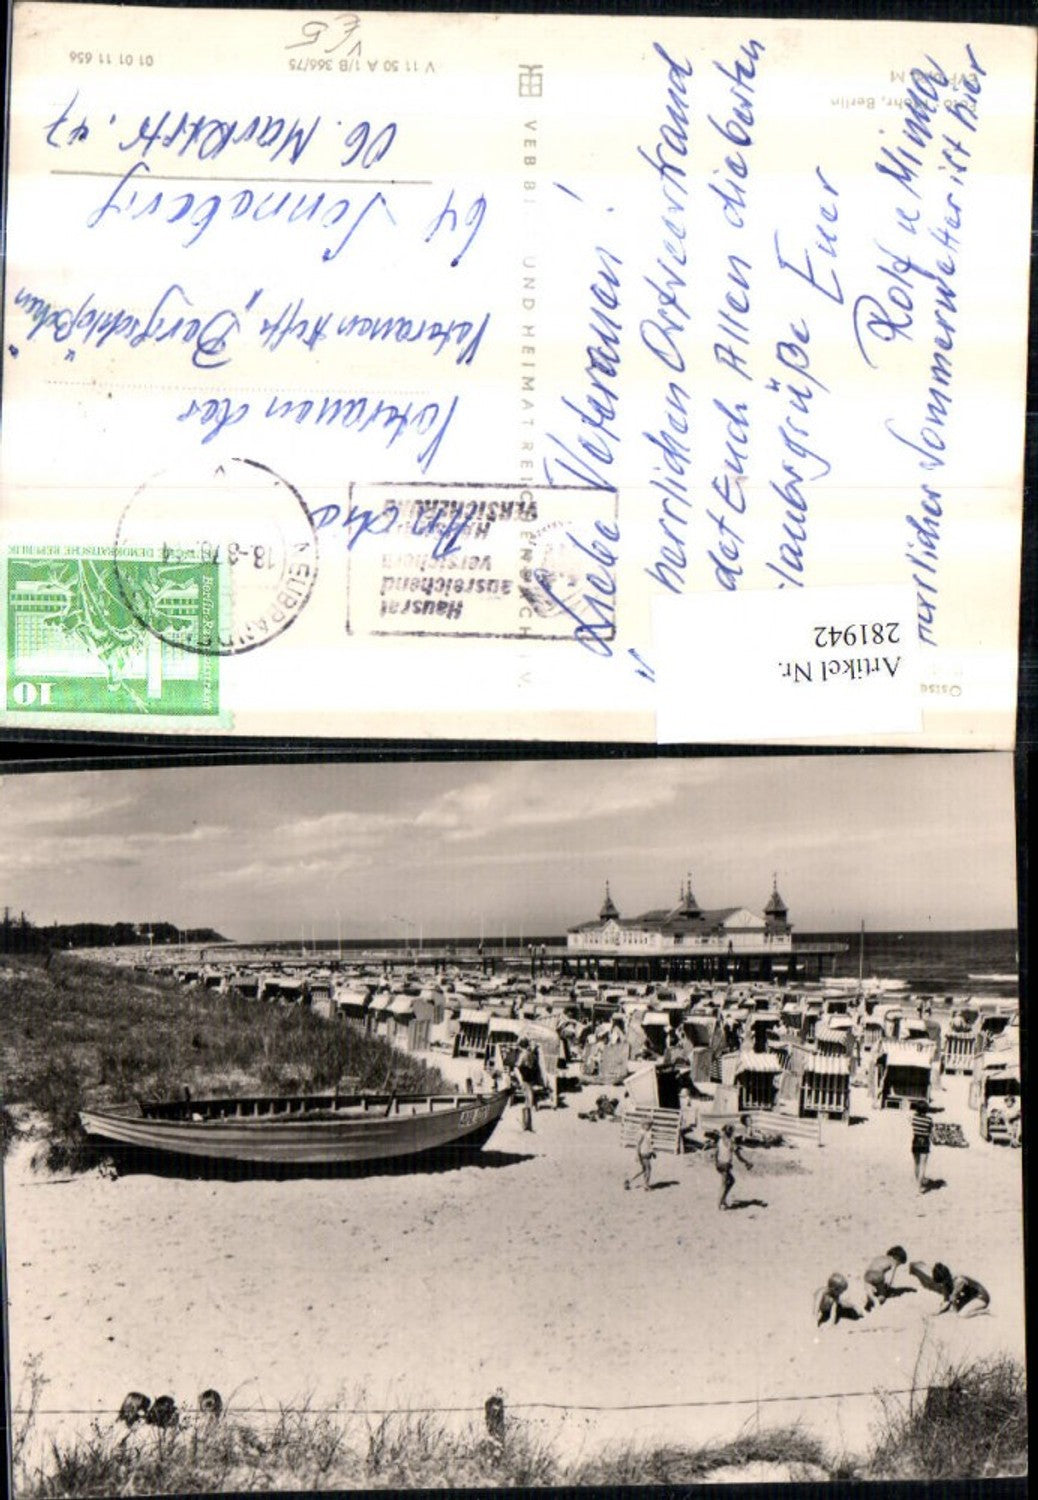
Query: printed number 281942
x,y
874,633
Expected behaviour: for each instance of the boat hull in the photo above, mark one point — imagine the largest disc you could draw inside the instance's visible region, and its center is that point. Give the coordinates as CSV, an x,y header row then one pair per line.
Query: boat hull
x,y
295,1140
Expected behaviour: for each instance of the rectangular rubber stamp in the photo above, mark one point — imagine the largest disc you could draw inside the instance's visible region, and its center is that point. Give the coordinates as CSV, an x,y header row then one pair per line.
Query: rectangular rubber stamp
x,y
494,561
79,641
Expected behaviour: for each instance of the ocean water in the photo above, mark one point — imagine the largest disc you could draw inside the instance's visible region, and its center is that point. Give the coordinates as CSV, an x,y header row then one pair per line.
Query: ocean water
x,y
933,962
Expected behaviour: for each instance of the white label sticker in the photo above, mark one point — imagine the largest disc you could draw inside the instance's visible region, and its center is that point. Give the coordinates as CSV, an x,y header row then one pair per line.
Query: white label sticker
x,y
790,664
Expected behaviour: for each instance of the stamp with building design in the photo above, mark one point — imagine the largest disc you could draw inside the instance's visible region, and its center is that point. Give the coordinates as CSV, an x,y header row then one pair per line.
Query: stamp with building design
x,y
75,642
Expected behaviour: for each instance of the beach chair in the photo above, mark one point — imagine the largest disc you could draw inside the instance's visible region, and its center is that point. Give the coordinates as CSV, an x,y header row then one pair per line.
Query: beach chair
x,y
666,1136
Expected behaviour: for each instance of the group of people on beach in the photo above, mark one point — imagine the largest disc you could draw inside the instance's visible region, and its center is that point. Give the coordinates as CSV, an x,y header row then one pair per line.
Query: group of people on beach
x,y
727,1151
834,1301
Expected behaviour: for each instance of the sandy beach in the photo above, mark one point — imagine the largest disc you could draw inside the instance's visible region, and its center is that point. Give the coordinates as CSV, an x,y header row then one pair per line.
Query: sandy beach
x,y
532,1271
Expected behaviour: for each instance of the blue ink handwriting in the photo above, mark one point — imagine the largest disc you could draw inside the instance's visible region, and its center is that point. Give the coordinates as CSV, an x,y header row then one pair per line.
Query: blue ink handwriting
x,y
297,323
923,554
594,612
344,413
198,211
597,408
89,325
663,333
448,217
204,137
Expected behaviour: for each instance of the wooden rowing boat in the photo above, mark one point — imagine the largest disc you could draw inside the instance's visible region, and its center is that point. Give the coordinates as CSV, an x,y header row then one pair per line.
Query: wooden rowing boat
x,y
303,1129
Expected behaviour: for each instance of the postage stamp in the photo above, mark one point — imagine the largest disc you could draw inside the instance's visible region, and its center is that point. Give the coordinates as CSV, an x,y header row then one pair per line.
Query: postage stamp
x,y
75,644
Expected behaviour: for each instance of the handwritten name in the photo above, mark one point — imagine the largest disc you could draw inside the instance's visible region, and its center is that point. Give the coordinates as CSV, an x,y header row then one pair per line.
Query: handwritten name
x,y
447,520
446,526
133,198
925,265
169,320
198,211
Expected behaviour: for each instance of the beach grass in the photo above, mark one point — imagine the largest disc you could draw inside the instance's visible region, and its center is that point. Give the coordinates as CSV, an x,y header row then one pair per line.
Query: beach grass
x,y
970,1423
977,1432
795,1450
80,1034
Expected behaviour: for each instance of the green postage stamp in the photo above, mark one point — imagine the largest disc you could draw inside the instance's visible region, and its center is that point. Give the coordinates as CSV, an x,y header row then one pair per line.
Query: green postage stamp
x,y
75,645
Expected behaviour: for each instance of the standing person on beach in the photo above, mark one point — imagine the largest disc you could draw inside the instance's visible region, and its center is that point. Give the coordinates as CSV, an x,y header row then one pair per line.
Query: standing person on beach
x,y
645,1158
725,1153
526,1073
922,1136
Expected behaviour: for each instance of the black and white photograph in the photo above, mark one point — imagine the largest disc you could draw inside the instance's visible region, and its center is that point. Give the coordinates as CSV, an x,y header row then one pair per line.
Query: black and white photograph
x,y
497,1122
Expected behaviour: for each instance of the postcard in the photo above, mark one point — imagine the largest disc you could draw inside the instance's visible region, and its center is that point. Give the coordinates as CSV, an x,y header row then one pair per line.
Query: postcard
x,y
361,1132
518,377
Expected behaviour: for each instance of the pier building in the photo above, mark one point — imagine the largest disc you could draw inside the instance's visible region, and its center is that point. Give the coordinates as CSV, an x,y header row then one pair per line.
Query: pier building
x,y
688,941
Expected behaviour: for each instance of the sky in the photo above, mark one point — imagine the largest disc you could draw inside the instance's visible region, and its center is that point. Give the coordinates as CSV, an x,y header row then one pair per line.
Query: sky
x,y
513,848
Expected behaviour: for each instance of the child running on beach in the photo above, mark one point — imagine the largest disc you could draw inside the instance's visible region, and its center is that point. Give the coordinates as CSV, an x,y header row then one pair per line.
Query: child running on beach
x,y
879,1275
725,1153
645,1158
960,1292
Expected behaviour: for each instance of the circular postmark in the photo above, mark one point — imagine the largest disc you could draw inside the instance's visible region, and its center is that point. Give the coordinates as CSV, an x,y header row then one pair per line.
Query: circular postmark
x,y
218,562
552,580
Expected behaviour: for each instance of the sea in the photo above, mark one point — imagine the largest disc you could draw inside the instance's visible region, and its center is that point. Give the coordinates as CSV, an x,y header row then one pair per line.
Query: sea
x,y
936,963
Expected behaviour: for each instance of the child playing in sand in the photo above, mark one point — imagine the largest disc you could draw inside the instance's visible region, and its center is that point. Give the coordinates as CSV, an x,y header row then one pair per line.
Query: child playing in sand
x,y
645,1156
830,1302
929,1277
725,1153
960,1292
879,1275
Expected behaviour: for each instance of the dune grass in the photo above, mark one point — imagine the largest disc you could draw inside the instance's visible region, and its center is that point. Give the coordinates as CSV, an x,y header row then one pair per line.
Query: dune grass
x,y
790,1446
973,1426
318,1451
970,1424
79,1033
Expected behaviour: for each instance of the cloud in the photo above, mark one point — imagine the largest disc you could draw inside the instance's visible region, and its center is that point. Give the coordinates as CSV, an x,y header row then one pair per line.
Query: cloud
x,y
342,824
58,799
551,794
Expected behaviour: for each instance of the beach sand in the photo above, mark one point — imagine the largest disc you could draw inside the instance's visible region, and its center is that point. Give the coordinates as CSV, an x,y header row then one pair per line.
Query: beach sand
x,y
533,1271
